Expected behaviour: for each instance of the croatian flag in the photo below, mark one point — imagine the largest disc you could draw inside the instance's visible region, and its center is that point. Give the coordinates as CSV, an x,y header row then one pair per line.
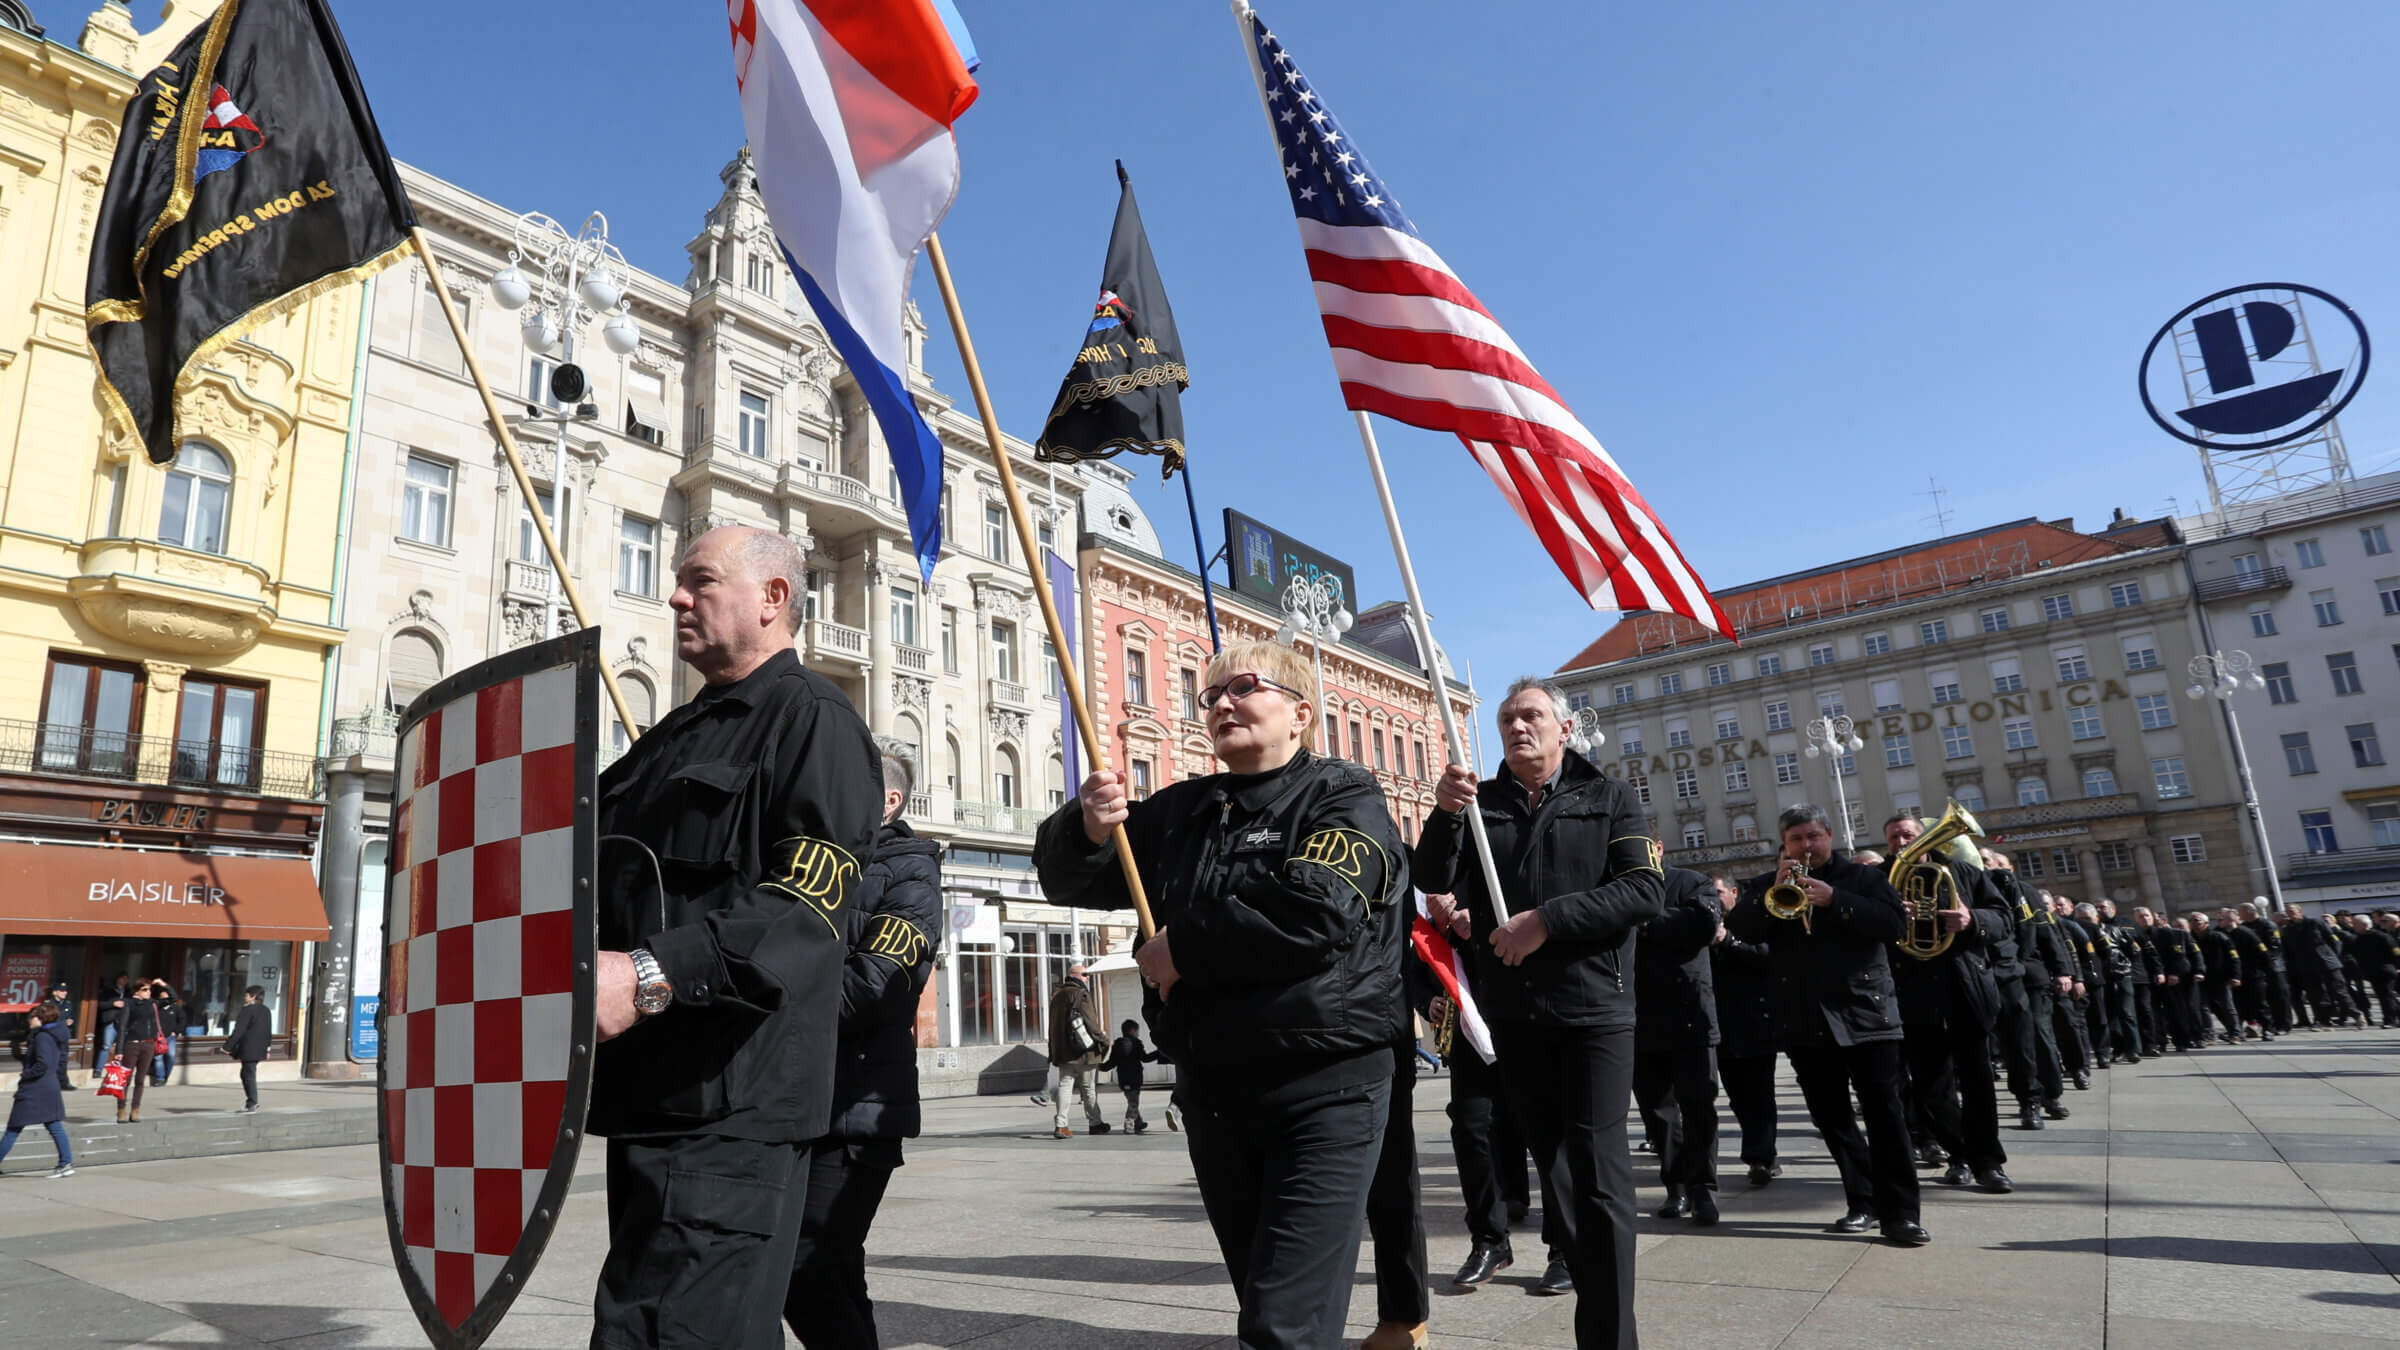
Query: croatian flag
x,y
848,105
1434,948
231,124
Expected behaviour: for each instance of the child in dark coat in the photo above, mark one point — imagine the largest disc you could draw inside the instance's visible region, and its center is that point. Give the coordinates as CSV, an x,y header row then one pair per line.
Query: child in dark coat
x,y
1126,1055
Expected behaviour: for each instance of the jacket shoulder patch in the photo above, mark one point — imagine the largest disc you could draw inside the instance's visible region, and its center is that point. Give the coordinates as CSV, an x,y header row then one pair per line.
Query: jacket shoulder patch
x,y
894,939
817,873
1353,855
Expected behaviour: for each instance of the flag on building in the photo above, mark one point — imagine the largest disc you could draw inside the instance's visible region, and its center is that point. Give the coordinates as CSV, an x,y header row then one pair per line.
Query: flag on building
x,y
1125,390
1435,949
249,178
848,105
1411,342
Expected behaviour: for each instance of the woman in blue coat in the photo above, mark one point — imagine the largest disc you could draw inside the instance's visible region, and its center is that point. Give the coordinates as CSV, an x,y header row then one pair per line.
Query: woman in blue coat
x,y
39,1100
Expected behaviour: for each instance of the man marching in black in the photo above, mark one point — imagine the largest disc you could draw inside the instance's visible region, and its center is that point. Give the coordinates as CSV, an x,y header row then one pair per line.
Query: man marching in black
x,y
1950,1004
1841,1019
1581,875
1674,1035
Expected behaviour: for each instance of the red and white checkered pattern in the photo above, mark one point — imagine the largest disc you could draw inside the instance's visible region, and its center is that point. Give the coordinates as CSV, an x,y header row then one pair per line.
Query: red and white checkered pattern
x,y
479,1018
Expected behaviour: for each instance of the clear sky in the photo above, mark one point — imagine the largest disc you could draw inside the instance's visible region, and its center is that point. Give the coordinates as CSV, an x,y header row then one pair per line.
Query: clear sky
x,y
1786,261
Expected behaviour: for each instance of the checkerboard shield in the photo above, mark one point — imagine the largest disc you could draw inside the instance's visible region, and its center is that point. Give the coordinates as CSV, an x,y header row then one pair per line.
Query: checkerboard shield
x,y
488,1010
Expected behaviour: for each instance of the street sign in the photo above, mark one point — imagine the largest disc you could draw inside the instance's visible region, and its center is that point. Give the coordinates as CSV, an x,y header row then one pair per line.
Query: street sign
x,y
2254,366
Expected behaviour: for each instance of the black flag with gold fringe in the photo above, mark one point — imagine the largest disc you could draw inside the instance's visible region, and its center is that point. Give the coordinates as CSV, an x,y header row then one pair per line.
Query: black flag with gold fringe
x,y
249,179
1125,389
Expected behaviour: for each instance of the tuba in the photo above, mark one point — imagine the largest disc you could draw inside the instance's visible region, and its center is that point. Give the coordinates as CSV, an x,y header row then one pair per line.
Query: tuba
x,y
1785,899
1925,884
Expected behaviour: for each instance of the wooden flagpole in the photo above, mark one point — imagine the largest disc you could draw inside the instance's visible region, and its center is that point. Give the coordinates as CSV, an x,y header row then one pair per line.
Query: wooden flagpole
x,y
1028,545
1391,521
516,466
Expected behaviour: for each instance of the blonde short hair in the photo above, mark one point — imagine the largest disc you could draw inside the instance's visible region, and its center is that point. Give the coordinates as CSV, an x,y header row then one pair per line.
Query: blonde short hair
x,y
1277,662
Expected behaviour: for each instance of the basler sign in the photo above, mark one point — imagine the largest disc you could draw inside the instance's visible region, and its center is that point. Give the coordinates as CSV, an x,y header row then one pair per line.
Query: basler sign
x,y
121,892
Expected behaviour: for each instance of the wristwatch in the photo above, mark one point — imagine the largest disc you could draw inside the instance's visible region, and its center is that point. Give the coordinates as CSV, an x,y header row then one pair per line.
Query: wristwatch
x,y
651,990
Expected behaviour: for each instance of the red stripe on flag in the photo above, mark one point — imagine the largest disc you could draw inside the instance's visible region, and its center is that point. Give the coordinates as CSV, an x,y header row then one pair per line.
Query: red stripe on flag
x,y
1391,277
904,44
1447,351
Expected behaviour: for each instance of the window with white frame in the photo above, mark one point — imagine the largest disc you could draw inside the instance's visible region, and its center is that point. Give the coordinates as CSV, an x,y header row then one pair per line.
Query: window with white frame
x,y
199,494
637,556
1729,726
2309,552
995,532
2187,848
1886,694
2167,773
2343,667
1933,632
2316,827
1897,754
2032,790
1958,743
1695,836
1995,619
2099,781
2056,607
1945,687
1004,652
1779,714
2374,540
2141,652
1829,703
2030,864
1720,672
2262,618
1629,739
1670,683
752,426
1579,700
1687,784
2326,608
2157,711
2083,724
2387,590
1737,775
2064,862
2072,666
1137,676
1846,764
2278,675
904,614
2366,751
2008,677
1745,829
1639,782
1877,644
1771,664
425,501
1787,769
2248,569
1679,733
2383,824
1821,654
1622,693
2016,733
1969,797
2125,595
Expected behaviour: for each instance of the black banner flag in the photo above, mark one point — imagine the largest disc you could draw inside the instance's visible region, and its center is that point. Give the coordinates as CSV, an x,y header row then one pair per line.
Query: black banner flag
x,y
249,179
1125,389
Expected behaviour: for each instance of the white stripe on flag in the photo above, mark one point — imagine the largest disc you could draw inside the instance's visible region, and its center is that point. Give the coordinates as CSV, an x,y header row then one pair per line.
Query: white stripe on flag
x,y
1415,313
1371,241
1463,389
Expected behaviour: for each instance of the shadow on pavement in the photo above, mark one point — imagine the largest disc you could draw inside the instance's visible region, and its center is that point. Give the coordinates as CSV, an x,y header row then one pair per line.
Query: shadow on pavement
x,y
2344,1256
1071,1268
909,1323
2357,1298
318,1328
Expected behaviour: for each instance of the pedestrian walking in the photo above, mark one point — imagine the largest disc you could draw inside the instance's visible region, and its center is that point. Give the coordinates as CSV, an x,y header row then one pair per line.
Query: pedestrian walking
x,y
1674,1043
1750,1037
249,1039
1280,891
1075,1052
107,1021
141,1036
40,1099
1125,1059
61,995
1396,1197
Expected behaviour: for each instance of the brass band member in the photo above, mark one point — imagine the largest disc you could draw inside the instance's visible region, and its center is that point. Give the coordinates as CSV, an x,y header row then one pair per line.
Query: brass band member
x,y
1950,1003
1280,888
1841,1020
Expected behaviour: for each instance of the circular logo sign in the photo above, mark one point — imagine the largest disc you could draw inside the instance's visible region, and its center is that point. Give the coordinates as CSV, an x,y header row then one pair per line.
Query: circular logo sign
x,y
2254,366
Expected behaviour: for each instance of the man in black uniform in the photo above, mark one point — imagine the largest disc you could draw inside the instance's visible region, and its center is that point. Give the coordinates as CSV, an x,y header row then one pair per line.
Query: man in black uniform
x,y
2096,982
2012,1030
1490,1152
720,972
2167,948
1674,1044
2315,958
2049,972
2129,971
2379,961
894,931
2250,954
1949,1004
2074,1036
1841,1019
1580,875
1749,1036
2278,993
2220,978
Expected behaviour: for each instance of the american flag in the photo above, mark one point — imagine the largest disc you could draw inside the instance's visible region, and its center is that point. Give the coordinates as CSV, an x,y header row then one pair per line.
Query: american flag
x,y
1411,342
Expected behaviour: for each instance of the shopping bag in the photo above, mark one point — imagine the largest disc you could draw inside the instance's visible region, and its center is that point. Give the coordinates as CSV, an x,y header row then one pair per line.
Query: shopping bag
x,y
115,1079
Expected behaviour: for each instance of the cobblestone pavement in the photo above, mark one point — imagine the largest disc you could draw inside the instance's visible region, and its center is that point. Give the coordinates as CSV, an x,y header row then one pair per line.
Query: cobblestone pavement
x,y
2234,1197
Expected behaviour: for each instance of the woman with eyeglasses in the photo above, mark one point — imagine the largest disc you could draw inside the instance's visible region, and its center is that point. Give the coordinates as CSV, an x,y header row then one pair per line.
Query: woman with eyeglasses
x,y
1273,983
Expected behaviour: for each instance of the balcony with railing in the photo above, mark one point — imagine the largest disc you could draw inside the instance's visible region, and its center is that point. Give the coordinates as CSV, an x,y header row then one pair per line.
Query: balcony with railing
x,y
837,502
529,580
56,750
1018,820
909,658
830,641
373,735
2375,862
2259,582
1010,694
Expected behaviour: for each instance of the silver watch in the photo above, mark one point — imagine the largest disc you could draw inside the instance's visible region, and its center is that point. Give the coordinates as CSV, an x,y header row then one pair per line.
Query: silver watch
x,y
651,990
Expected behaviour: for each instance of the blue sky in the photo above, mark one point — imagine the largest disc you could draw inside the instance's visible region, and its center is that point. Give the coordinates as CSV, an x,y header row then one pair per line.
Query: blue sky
x,y
1786,261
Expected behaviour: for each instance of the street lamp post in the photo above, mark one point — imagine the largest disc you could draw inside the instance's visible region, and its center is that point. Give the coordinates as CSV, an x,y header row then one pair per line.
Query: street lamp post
x,y
574,278
1835,735
1313,605
1583,732
2224,674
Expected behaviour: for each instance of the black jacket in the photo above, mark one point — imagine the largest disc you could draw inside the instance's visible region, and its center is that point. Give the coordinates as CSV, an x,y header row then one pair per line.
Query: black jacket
x,y
1960,982
40,1097
144,1019
2083,943
2049,950
1833,978
895,934
759,801
1675,998
2035,953
1125,1059
1584,856
251,1034
2218,960
1744,980
1284,896
2251,951
2178,955
2120,954
2376,952
2272,936
2308,941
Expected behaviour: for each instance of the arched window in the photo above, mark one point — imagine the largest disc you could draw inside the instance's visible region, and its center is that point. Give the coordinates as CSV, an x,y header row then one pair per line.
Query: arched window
x,y
1058,781
1004,777
2099,783
950,764
414,666
199,488
642,701
2033,790
1969,797
1745,828
908,733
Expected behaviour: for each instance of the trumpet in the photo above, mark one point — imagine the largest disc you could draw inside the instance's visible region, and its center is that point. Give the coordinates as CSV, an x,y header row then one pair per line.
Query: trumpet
x,y
1926,886
1786,899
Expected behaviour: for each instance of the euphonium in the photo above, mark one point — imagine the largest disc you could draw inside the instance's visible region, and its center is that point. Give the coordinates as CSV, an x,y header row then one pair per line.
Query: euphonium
x,y
1925,884
1785,899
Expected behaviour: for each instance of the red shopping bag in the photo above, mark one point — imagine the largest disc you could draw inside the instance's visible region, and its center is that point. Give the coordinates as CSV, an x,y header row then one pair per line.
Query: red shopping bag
x,y
115,1079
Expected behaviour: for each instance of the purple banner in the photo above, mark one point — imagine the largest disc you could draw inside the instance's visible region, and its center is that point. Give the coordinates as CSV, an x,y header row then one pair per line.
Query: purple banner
x,y
1062,595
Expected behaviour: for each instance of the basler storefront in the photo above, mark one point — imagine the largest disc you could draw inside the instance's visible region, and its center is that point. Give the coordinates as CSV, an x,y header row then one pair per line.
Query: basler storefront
x,y
211,892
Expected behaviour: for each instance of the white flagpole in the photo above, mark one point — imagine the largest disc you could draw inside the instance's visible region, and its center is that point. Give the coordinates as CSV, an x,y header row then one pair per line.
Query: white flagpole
x,y
1391,521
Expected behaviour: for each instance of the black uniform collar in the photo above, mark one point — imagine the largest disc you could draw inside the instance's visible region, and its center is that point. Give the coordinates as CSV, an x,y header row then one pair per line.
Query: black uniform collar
x,y
1573,771
1254,791
748,690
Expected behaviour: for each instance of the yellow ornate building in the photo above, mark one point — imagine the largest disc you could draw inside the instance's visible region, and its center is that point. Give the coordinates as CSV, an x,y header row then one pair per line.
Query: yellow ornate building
x,y
164,631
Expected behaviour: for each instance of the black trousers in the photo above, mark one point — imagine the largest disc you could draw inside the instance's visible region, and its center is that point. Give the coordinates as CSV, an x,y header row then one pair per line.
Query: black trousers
x,y
2014,1033
2182,1018
2074,1041
2330,994
2279,998
2048,1081
1750,1090
2217,1000
826,1303
249,1082
1396,1206
1676,1091
1491,1154
1285,1186
2095,1024
1950,1084
2153,1022
701,1231
2387,993
1878,1172
2124,1026
1568,1086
